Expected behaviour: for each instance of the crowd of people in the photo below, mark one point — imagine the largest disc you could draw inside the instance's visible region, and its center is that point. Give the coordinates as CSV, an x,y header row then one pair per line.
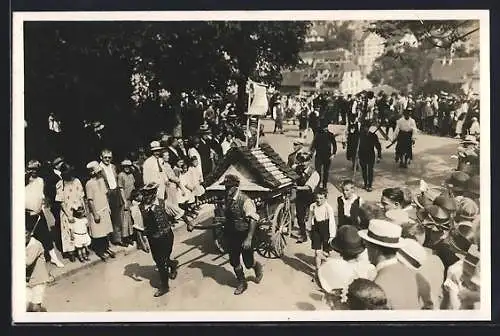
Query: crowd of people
x,y
430,240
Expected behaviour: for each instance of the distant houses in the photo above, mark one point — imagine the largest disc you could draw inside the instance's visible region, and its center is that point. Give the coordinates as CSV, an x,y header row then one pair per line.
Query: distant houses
x,y
463,71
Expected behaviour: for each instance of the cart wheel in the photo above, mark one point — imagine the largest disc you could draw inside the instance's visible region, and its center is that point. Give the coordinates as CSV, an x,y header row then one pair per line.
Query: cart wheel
x,y
264,243
219,239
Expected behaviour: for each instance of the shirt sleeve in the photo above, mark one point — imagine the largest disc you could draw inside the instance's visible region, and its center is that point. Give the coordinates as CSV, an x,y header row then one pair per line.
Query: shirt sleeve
x,y
250,210
331,221
396,130
313,181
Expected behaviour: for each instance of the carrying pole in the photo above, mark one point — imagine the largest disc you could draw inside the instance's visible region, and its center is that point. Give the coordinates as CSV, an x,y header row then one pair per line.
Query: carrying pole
x,y
258,133
248,120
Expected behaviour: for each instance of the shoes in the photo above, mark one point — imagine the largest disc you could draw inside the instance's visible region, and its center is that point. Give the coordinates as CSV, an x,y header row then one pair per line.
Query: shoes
x,y
161,291
173,269
242,287
101,256
57,262
110,253
301,240
369,189
258,272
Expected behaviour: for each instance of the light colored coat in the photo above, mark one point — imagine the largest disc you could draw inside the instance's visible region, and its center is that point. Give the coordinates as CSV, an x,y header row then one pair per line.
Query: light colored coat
x,y
400,286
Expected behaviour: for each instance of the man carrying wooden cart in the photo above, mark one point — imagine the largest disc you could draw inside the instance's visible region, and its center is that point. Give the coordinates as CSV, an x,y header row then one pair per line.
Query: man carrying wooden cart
x,y
239,229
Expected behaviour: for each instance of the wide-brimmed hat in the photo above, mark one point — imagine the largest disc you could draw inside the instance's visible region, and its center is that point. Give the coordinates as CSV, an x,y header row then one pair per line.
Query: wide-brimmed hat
x,y
57,161
33,165
149,188
126,163
335,273
467,209
382,233
94,166
155,146
298,142
231,180
398,216
412,254
458,180
445,201
347,241
458,241
426,198
204,129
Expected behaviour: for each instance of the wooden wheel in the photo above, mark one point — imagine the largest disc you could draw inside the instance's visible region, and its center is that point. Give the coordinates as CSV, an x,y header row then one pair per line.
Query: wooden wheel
x,y
264,243
280,228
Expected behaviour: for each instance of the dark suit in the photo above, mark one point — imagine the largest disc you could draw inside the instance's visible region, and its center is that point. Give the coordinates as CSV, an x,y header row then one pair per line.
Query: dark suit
x,y
368,142
206,161
50,180
325,145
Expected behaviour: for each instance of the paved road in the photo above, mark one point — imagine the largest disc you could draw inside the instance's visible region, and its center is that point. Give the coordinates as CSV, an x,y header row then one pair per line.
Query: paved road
x,y
206,281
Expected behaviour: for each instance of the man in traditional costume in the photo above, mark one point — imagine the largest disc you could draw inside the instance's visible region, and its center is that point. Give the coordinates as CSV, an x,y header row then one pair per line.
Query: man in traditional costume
x,y
404,135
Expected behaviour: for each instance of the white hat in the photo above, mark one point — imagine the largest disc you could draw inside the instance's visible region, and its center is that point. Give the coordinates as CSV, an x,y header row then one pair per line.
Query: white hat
x,y
155,145
126,163
383,233
298,142
412,254
398,216
94,166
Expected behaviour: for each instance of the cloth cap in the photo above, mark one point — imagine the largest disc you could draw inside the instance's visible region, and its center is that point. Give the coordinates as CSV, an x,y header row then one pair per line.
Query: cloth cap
x,y
467,209
383,233
412,254
231,180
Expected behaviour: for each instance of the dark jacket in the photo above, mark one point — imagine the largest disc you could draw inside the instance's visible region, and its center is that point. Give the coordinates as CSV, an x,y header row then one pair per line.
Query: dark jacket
x,y
368,143
348,219
157,223
324,144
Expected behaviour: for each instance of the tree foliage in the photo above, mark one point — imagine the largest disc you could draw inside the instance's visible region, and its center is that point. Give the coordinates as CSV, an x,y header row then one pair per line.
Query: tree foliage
x,y
431,33
435,87
337,36
84,70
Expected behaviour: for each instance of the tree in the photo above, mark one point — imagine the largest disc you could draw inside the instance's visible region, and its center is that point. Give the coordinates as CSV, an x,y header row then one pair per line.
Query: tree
x,y
400,70
431,33
261,50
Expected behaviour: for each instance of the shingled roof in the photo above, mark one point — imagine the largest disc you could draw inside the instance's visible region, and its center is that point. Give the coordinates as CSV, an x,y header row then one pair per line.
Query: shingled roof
x,y
266,167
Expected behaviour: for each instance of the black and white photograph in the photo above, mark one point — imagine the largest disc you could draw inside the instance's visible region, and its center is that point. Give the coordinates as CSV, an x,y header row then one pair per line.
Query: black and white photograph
x,y
251,166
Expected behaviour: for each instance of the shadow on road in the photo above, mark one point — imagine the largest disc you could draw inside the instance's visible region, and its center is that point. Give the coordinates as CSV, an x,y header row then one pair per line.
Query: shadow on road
x,y
305,306
218,273
298,263
138,273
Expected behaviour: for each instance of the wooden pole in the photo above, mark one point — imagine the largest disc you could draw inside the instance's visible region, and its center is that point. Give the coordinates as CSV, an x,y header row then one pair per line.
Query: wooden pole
x,y
248,121
258,133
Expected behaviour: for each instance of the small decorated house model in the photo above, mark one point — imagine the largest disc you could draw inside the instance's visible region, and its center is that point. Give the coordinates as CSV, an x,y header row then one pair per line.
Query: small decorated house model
x,y
261,170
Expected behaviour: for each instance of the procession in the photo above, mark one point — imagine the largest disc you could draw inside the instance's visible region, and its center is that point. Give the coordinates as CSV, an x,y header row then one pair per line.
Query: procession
x,y
356,200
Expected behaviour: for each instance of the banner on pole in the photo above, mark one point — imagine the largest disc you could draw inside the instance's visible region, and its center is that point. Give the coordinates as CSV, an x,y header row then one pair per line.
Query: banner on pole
x,y
258,104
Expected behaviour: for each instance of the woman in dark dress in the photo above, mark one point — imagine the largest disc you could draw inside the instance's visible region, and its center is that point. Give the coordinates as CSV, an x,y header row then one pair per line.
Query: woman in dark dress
x,y
368,143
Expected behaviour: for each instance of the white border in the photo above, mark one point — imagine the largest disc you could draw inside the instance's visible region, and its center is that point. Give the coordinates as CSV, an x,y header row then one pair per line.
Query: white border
x,y
18,278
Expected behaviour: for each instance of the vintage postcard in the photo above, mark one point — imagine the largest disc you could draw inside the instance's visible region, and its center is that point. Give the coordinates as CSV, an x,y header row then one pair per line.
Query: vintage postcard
x,y
251,166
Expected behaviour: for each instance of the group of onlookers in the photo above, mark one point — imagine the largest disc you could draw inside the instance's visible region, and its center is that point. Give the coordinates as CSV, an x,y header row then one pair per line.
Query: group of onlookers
x,y
96,210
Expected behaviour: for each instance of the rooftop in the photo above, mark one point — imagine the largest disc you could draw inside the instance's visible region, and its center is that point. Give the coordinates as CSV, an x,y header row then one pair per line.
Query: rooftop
x,y
458,71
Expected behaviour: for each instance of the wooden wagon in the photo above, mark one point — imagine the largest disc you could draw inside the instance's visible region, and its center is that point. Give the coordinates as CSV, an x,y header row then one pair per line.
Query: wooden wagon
x,y
269,182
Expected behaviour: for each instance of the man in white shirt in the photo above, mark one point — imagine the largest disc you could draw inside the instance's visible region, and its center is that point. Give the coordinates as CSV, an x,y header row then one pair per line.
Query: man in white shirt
x,y
115,199
322,228
404,135
153,171
227,143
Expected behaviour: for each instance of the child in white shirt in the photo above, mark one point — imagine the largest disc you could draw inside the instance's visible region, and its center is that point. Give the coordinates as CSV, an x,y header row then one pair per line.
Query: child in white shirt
x,y
322,227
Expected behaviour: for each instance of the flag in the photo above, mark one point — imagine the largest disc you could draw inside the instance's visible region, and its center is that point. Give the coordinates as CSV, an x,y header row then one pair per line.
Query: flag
x,y
259,104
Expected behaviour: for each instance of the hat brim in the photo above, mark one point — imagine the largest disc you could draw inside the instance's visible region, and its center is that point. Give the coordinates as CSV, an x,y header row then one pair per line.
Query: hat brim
x,y
405,262
364,235
346,250
154,149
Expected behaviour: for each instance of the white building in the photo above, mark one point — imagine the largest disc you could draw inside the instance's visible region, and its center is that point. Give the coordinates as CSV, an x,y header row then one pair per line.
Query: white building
x,y
366,49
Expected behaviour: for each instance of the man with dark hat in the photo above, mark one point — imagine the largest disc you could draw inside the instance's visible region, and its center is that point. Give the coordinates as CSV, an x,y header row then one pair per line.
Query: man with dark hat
x,y
239,229
406,129
158,229
307,185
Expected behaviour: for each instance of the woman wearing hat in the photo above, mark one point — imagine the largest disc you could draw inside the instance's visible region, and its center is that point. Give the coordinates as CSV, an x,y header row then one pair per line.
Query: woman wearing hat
x,y
100,214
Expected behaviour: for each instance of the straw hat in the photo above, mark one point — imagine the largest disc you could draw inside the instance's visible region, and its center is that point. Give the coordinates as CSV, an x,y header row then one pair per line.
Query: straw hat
x,y
335,274
155,146
469,139
94,167
150,188
382,233
412,254
33,165
126,163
